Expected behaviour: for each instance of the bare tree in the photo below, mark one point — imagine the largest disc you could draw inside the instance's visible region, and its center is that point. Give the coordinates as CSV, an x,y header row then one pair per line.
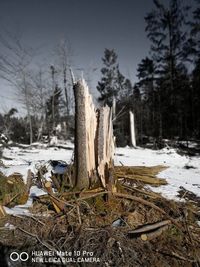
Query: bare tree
x,y
14,57
64,53
15,61
25,95
41,93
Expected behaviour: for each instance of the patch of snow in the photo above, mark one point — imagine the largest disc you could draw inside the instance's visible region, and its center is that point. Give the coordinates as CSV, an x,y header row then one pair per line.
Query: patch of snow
x,y
9,226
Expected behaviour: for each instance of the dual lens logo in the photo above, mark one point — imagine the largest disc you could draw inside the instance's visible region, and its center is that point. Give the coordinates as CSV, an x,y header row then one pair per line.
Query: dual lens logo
x,y
15,256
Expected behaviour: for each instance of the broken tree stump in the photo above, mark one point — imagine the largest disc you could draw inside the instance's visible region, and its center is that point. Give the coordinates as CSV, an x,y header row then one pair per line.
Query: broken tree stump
x,y
132,129
105,145
94,142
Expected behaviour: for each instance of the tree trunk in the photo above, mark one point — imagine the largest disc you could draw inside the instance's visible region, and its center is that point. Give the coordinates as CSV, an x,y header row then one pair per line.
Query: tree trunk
x,y
105,145
53,96
94,142
65,89
31,129
132,129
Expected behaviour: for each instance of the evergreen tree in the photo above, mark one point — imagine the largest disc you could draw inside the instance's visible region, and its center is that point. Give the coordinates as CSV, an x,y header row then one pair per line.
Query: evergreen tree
x,y
53,103
112,80
146,74
165,31
196,98
195,33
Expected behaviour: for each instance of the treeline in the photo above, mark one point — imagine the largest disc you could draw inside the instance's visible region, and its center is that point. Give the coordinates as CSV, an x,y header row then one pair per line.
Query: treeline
x,y
166,98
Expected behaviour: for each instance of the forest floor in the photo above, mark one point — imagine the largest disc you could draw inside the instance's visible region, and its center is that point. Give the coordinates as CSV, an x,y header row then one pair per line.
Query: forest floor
x,y
107,230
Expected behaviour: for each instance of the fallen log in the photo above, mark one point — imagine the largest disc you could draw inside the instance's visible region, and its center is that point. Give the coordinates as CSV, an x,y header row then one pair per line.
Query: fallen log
x,y
150,227
154,234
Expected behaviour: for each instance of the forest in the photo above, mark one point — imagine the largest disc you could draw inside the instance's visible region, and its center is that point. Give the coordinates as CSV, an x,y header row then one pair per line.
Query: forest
x,y
165,98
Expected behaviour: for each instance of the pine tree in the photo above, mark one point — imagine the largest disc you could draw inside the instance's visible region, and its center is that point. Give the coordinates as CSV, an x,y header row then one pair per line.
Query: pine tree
x,y
165,31
112,80
195,33
146,74
53,103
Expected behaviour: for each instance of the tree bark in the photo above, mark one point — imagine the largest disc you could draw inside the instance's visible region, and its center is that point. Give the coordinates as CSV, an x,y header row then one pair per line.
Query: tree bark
x,y
82,126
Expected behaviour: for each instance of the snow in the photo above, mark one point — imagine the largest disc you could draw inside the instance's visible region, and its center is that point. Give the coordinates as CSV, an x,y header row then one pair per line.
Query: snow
x,y
176,174
182,170
9,226
29,158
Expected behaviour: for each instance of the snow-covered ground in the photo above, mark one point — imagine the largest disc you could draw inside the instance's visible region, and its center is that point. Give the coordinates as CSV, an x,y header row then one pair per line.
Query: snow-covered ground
x,y
182,170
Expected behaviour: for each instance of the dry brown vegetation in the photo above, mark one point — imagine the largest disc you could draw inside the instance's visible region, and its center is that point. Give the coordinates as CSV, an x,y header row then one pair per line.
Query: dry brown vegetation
x,y
130,226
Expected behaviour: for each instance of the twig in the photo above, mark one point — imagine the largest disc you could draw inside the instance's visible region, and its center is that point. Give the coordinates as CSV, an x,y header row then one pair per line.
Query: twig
x,y
15,196
121,251
91,196
150,194
45,244
28,216
36,237
119,113
174,254
191,239
78,213
37,220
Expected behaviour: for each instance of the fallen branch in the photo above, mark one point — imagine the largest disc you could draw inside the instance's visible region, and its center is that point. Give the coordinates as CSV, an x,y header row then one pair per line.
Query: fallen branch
x,y
154,234
37,238
147,203
174,254
149,194
150,227
28,216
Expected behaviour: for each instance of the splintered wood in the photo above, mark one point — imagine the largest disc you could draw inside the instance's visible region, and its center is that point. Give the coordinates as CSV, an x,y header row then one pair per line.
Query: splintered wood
x,y
105,143
94,142
143,174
